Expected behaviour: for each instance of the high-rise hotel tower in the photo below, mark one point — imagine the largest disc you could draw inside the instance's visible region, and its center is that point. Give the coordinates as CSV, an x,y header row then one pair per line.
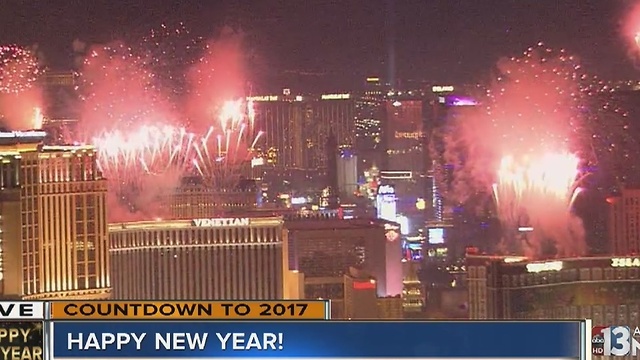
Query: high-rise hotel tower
x,y
53,230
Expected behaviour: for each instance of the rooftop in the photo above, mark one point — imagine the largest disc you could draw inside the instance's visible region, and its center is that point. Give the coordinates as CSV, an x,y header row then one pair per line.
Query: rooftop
x,y
321,223
161,224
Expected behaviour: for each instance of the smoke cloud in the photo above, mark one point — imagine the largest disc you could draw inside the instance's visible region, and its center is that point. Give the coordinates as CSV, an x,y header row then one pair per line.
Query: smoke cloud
x,y
518,146
217,77
21,94
631,32
143,101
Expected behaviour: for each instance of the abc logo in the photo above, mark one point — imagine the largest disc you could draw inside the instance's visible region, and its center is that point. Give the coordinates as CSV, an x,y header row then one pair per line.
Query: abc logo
x,y
597,344
613,341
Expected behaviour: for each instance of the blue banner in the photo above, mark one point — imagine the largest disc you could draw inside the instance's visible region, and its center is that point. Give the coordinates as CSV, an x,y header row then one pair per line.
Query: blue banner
x,y
334,339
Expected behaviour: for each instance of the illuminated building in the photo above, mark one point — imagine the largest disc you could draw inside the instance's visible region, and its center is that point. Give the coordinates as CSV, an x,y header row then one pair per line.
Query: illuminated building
x,y
282,118
369,117
403,221
347,164
196,199
624,222
442,224
604,289
296,128
404,140
414,248
325,248
333,113
53,239
390,307
436,248
386,203
60,90
331,195
360,298
222,259
446,107
412,291
404,135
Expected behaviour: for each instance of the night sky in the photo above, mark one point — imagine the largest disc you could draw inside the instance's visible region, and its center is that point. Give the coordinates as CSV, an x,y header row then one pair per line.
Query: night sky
x,y
338,42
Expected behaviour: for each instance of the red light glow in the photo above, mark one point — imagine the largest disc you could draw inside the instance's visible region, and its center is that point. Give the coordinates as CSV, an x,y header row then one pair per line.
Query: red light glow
x,y
364,285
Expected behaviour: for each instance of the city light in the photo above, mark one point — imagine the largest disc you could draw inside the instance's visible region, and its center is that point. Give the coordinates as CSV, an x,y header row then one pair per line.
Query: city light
x,y
441,89
23,134
546,266
335,96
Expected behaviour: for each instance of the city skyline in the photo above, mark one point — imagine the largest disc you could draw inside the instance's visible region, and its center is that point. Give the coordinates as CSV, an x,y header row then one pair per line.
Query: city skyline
x,y
404,159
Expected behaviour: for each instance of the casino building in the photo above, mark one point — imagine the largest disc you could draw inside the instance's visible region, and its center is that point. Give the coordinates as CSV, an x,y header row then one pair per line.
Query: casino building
x,y
195,199
324,249
201,259
53,229
604,289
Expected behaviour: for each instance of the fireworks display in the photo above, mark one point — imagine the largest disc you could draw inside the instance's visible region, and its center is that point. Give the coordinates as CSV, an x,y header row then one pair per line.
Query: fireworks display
x,y
168,51
19,69
527,142
155,150
631,32
154,120
528,190
20,97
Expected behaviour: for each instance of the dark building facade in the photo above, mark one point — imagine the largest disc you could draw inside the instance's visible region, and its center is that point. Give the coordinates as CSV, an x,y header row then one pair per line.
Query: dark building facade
x,y
604,289
369,118
327,248
195,198
295,128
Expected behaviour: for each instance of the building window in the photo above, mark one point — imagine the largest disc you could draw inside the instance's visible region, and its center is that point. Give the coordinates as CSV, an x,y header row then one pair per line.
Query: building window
x,y
585,274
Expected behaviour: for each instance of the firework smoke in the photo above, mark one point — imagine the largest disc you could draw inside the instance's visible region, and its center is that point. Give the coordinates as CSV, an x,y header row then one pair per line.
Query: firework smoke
x,y
20,95
156,112
217,76
631,32
521,143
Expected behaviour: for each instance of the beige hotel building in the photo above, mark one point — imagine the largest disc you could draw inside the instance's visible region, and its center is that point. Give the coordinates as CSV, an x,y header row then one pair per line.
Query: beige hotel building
x,y
202,259
604,289
53,230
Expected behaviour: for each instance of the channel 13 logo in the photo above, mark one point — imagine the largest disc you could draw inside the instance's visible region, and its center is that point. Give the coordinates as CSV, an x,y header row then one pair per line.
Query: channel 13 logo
x,y
614,341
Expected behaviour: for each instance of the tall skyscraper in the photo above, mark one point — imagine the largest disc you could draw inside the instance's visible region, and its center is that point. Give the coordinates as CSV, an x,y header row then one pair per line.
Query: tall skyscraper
x,y
404,135
282,119
332,170
296,128
347,164
404,167
369,118
53,242
332,114
445,108
624,222
61,95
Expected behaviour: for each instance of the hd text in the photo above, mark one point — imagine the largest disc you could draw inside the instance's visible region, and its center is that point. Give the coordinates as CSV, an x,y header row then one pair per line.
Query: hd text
x,y
178,341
